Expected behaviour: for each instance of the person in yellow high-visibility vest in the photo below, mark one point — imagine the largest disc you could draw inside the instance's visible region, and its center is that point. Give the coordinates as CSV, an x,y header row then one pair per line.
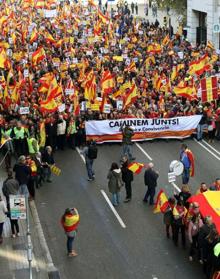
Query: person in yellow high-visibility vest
x,y
33,146
70,222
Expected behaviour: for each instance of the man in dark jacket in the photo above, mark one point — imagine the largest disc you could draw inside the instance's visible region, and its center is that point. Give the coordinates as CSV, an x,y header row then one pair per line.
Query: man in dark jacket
x,y
150,180
127,177
127,134
48,161
22,174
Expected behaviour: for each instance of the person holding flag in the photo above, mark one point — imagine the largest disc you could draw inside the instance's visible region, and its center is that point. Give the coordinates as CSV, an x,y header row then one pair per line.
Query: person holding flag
x,y
127,178
187,158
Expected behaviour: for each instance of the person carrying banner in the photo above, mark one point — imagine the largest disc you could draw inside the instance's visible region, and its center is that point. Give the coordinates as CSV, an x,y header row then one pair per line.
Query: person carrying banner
x,y
187,158
127,134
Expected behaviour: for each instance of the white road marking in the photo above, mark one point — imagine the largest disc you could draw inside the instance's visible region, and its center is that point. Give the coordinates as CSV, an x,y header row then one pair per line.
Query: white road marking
x,y
206,148
82,157
145,153
113,209
210,146
175,186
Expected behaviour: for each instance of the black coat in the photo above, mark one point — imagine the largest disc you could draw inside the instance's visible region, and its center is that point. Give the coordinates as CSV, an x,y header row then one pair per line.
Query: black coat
x,y
127,175
47,158
22,173
150,178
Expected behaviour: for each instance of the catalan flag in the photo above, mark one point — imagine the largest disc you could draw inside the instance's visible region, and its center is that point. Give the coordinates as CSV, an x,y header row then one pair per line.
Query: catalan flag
x,y
209,87
154,48
209,205
210,45
200,66
166,40
131,67
162,203
107,82
55,170
104,18
135,167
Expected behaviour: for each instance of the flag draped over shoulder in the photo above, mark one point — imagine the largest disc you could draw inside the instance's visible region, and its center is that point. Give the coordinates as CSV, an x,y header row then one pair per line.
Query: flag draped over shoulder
x,y
209,88
162,203
209,205
191,157
135,167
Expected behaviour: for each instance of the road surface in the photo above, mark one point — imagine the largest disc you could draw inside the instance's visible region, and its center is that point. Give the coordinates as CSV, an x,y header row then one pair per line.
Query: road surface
x,y
134,245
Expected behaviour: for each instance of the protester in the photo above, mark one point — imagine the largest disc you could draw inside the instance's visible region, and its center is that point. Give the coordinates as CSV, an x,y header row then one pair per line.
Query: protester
x,y
90,153
70,223
179,212
115,183
186,158
203,188
184,195
127,134
168,217
216,185
47,162
150,180
22,175
127,178
194,227
3,211
10,187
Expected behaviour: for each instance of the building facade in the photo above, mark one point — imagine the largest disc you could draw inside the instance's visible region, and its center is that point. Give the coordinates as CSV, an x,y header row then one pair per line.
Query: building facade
x,y
203,21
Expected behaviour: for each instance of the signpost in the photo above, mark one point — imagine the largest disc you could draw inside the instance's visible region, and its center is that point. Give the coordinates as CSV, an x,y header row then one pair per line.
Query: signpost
x,y
19,210
175,169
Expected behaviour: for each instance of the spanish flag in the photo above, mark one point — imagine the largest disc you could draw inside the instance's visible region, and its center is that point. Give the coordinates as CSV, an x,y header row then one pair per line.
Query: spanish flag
x,y
131,96
200,66
209,205
90,86
107,82
34,36
161,203
38,55
209,87
185,91
150,60
135,167
49,38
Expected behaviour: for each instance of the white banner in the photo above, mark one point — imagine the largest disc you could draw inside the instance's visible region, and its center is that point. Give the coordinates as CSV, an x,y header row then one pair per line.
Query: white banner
x,y
144,129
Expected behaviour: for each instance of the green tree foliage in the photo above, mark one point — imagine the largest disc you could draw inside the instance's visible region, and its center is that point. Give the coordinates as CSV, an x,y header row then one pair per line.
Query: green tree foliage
x,y
178,5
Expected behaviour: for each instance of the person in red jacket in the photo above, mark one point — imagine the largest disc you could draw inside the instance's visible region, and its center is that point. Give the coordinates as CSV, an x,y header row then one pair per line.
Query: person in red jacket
x,y
70,222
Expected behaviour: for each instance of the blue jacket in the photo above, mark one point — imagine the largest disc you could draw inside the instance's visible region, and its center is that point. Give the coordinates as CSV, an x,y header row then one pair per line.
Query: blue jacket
x,y
185,159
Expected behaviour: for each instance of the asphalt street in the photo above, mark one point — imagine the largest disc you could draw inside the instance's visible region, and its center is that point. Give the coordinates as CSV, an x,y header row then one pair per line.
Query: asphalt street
x,y
106,249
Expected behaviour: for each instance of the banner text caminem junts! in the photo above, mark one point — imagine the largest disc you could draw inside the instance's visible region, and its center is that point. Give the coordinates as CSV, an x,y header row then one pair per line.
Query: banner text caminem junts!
x,y
144,128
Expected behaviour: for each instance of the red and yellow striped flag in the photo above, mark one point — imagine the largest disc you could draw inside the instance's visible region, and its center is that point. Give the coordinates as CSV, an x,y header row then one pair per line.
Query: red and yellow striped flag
x,y
200,66
162,203
209,205
209,87
131,96
135,167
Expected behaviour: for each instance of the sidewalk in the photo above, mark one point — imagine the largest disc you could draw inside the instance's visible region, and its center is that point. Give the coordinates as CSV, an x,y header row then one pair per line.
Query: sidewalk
x,y
13,251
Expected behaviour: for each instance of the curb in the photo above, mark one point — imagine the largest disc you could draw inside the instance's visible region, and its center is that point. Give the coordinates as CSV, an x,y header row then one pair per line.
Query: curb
x,y
52,271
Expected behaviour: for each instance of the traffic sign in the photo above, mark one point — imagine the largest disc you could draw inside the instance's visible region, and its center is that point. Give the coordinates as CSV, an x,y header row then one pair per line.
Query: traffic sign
x,y
216,28
176,167
171,177
17,207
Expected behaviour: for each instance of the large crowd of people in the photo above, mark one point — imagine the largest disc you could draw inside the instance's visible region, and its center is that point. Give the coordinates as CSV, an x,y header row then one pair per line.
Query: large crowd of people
x,y
58,71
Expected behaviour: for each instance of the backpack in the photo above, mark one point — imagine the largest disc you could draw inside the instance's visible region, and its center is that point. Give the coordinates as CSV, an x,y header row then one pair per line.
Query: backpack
x,y
92,152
